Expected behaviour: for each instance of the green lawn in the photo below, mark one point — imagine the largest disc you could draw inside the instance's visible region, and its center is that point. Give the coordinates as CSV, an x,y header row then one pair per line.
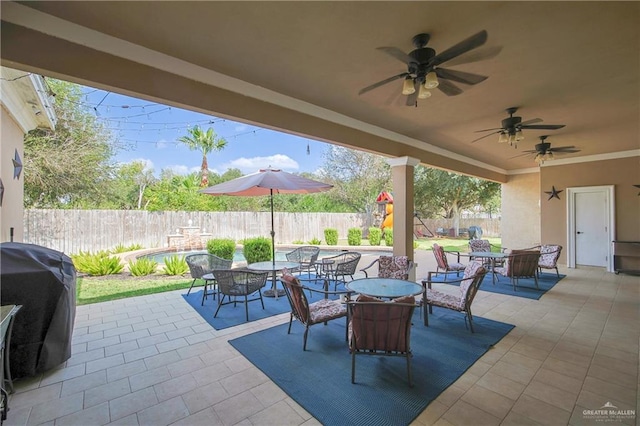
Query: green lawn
x,y
102,289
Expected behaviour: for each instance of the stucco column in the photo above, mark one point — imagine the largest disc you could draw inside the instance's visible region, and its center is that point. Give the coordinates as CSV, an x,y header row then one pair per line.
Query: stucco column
x,y
402,176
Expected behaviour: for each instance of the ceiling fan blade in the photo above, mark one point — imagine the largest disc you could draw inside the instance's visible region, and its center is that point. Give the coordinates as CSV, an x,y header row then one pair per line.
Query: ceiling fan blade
x,y
542,126
476,56
532,121
522,155
485,136
383,82
448,88
460,76
486,130
564,149
397,53
464,46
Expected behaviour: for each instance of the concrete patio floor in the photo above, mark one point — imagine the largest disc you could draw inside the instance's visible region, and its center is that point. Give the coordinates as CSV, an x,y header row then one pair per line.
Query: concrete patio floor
x,y
152,360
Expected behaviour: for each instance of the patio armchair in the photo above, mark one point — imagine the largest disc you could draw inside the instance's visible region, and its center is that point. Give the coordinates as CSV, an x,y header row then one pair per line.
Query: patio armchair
x,y
337,268
470,282
203,264
306,256
381,328
485,246
309,314
549,254
391,267
236,285
520,264
442,263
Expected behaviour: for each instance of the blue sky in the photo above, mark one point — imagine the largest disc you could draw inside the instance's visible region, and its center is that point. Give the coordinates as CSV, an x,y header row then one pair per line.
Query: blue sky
x,y
150,133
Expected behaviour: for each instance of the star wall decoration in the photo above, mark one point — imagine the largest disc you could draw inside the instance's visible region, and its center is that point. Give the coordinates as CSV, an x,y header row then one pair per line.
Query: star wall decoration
x,y
17,165
637,186
553,193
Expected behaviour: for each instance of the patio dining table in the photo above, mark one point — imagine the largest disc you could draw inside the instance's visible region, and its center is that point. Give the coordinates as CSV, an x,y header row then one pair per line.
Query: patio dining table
x,y
273,268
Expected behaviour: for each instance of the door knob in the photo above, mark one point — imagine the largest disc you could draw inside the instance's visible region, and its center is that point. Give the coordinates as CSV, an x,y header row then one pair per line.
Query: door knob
x,y
579,232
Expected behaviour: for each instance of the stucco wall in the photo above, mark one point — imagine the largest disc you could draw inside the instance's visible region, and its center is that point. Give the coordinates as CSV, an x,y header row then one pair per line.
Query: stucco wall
x,y
12,210
622,173
521,211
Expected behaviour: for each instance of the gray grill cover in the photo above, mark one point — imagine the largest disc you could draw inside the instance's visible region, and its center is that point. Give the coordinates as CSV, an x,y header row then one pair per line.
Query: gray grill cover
x,y
43,281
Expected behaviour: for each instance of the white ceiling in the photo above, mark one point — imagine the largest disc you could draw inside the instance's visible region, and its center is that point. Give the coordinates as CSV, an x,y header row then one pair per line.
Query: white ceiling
x,y
572,63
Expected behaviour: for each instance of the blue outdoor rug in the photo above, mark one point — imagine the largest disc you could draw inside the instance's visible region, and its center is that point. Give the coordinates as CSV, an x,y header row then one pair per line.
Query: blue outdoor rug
x,y
230,316
319,379
525,288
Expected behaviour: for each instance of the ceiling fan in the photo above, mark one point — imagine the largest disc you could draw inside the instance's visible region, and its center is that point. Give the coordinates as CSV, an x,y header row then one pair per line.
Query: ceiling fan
x,y
511,130
544,152
423,72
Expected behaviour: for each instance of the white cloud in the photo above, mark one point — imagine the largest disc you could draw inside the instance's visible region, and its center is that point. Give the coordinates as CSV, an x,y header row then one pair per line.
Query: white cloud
x,y
250,165
162,144
240,128
181,169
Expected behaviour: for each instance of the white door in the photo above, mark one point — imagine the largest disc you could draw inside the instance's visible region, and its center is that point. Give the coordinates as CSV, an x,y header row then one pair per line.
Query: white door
x,y
591,226
592,237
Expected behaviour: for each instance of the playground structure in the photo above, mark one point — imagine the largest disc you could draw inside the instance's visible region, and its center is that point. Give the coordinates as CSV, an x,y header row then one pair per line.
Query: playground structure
x,y
386,199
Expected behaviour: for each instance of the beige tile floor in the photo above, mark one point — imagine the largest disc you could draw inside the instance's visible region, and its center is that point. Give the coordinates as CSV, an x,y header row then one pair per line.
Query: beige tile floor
x,y
153,361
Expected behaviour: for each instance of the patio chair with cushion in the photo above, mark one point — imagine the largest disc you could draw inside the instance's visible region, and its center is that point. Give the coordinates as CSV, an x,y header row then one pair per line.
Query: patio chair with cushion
x,y
443,263
381,328
470,282
306,256
236,285
549,254
309,314
520,264
203,264
337,268
391,267
485,246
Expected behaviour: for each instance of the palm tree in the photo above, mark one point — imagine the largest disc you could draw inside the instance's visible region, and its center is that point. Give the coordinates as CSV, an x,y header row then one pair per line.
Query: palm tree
x,y
205,142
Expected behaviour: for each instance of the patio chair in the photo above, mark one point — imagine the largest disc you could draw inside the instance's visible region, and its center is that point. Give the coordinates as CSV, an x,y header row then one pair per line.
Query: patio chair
x,y
203,264
381,329
309,314
473,275
520,264
337,268
485,246
234,284
306,256
391,267
549,254
443,263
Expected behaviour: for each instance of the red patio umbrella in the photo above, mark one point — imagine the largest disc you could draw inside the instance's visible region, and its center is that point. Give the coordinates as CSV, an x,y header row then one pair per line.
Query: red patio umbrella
x,y
267,182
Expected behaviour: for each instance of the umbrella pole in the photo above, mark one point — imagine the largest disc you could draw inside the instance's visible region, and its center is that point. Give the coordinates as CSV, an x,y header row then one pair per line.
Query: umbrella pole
x,y
274,285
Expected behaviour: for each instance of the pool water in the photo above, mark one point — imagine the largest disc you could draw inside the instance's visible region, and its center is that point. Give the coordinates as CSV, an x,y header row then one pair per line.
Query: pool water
x,y
239,257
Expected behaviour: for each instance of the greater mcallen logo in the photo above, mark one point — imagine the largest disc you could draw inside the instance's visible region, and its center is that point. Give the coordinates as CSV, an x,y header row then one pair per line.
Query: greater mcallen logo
x,y
609,413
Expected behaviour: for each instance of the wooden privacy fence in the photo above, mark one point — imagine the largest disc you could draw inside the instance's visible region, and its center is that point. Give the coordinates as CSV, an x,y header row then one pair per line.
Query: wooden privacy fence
x,y
72,231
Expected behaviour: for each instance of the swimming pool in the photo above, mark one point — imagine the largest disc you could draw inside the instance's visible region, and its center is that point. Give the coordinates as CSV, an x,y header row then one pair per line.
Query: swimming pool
x,y
239,257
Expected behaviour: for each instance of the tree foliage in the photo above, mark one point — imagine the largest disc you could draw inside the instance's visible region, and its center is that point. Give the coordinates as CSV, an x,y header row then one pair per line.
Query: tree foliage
x,y
357,177
439,193
205,142
70,166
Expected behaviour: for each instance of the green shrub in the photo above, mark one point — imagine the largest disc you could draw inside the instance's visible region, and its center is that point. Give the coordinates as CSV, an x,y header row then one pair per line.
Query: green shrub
x,y
415,244
315,241
98,264
331,236
257,249
388,237
298,242
222,247
354,236
142,266
121,248
175,265
375,236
